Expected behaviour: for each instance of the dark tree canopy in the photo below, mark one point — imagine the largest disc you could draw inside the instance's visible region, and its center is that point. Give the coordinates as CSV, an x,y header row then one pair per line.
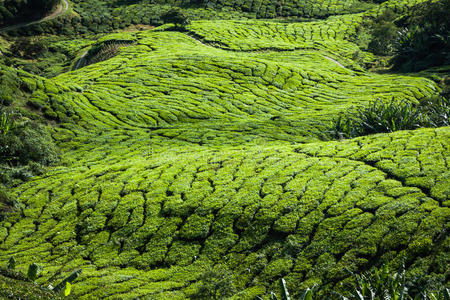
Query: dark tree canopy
x,y
15,11
176,17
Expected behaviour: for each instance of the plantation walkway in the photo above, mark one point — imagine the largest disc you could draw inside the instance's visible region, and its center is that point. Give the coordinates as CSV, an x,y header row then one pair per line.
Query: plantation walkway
x,y
62,8
335,61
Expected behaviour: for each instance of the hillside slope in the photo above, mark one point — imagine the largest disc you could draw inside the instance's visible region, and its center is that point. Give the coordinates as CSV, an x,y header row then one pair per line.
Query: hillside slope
x,y
186,153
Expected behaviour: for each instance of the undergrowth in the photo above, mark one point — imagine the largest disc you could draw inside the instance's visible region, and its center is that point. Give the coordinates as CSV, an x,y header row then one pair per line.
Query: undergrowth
x,y
379,283
16,285
26,147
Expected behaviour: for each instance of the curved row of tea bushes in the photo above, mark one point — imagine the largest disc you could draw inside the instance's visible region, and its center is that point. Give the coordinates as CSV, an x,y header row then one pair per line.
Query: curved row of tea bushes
x,y
149,224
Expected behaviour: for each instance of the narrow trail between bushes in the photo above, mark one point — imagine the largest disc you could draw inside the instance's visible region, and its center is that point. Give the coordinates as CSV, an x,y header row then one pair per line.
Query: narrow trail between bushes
x,y
61,9
80,60
335,61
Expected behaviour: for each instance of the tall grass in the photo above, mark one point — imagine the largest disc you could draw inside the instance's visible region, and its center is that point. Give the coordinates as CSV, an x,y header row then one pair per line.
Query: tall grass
x,y
381,117
379,284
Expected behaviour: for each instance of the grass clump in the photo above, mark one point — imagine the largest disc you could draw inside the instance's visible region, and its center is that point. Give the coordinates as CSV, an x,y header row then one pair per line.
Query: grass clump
x,y
383,283
437,110
382,117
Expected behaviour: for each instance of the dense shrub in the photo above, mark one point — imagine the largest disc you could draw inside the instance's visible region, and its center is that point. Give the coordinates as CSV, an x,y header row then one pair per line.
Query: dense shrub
x,y
417,40
384,34
28,47
27,142
425,39
25,147
176,17
7,203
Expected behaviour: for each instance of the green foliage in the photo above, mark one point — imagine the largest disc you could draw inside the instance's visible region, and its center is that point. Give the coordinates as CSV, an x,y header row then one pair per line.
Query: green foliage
x,y
33,271
68,289
176,17
437,110
384,34
66,283
380,283
7,122
285,292
28,142
189,170
28,47
101,52
15,284
380,117
215,283
13,11
11,263
424,39
7,203
25,145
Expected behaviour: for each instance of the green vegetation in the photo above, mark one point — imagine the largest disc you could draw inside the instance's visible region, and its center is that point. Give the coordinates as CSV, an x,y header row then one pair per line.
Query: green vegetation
x,y
25,145
17,286
197,159
14,11
425,41
378,284
418,39
380,117
176,17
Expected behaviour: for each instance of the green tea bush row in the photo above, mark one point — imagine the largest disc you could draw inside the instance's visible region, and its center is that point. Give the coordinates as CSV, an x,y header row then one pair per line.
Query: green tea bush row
x,y
273,9
181,159
154,222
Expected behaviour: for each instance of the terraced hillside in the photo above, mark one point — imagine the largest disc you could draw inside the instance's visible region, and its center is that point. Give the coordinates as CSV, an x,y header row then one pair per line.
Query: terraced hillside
x,y
205,152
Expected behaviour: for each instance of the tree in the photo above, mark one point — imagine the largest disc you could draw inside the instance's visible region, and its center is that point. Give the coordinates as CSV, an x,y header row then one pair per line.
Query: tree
x,y
175,16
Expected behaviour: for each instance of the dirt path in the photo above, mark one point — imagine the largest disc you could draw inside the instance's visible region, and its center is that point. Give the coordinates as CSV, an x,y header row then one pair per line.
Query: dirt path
x,y
61,9
81,60
335,61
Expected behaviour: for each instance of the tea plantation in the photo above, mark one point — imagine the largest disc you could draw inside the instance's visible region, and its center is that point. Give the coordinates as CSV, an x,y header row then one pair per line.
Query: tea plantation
x,y
205,154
